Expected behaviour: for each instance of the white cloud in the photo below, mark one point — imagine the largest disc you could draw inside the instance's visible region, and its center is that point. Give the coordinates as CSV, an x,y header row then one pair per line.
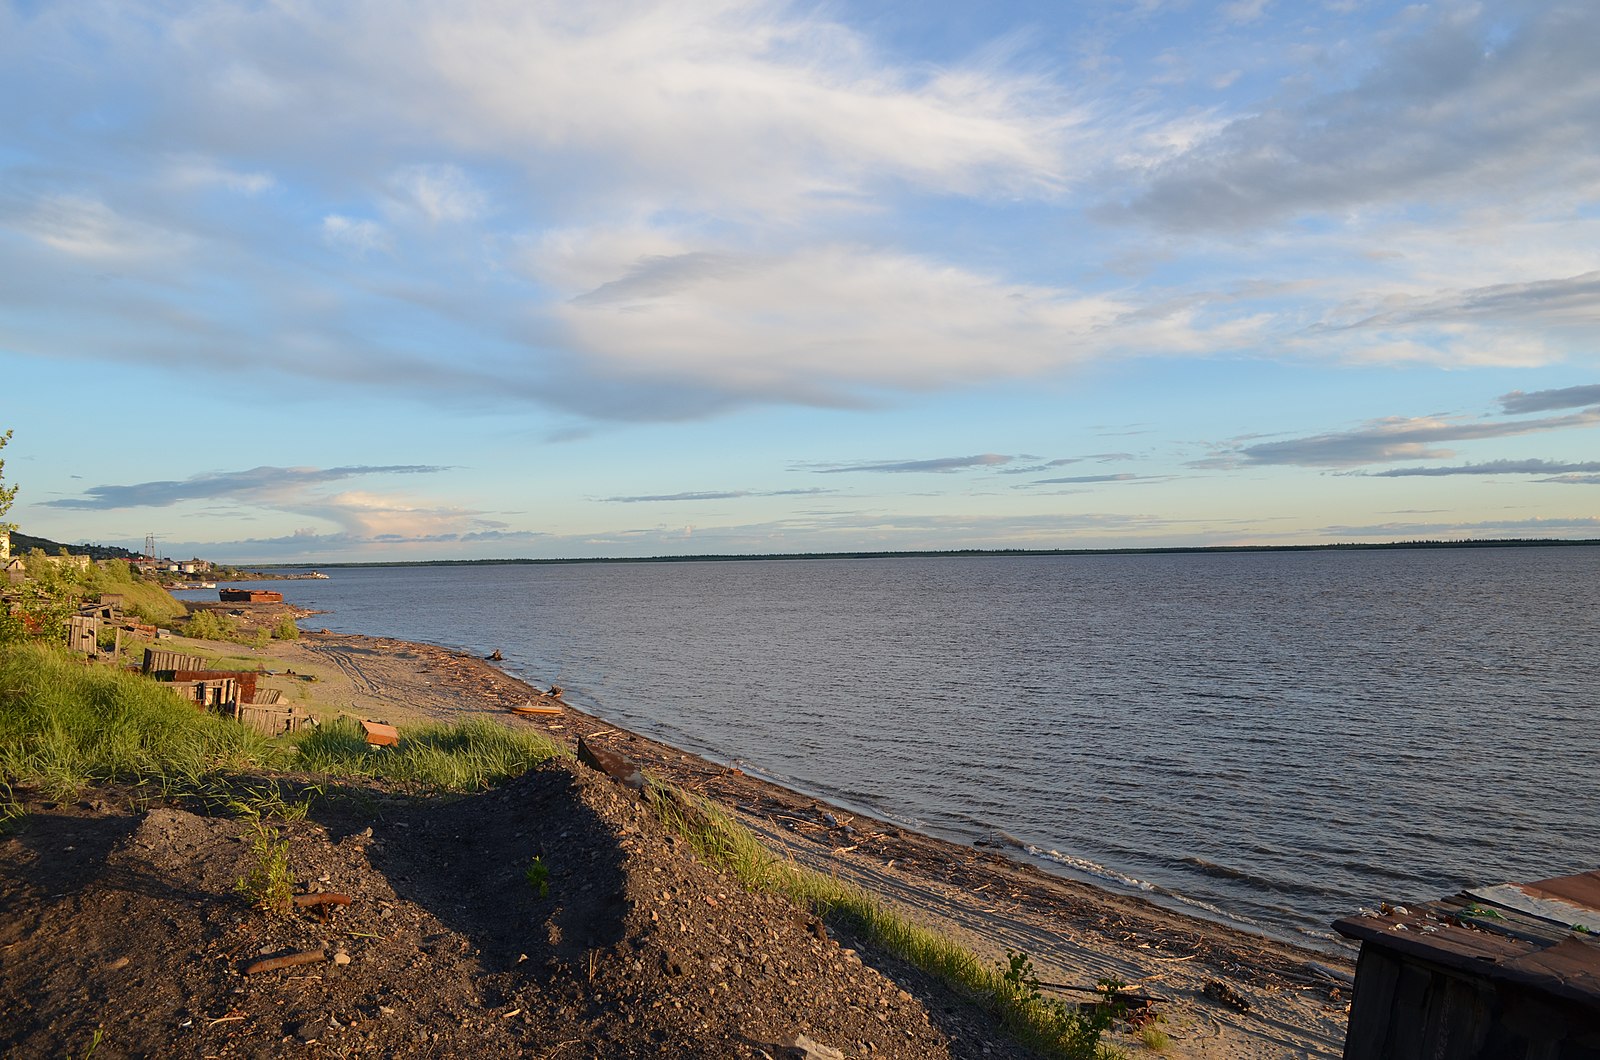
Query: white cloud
x,y
824,323
195,172
85,227
376,517
1243,12
649,210
354,234
826,317
752,106
748,102
439,193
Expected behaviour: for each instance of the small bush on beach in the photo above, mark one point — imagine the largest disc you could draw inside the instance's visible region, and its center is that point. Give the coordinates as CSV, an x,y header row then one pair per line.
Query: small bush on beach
x,y
208,625
269,887
538,876
286,629
1154,1038
467,756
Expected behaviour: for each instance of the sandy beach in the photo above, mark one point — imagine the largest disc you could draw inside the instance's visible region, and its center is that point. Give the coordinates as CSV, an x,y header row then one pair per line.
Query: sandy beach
x,y
1076,934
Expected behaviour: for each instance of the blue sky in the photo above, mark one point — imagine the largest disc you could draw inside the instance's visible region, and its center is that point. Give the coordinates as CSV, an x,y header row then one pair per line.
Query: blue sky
x,y
346,280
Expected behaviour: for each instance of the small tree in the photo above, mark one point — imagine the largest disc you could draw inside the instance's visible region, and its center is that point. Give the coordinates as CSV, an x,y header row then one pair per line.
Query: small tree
x,y
7,495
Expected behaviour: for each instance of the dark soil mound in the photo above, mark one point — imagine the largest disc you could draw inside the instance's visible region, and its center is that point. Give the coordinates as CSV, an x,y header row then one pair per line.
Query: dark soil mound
x,y
128,924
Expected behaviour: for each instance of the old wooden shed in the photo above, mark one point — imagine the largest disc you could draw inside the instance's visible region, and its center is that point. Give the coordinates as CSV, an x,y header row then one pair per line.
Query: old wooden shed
x,y
1510,972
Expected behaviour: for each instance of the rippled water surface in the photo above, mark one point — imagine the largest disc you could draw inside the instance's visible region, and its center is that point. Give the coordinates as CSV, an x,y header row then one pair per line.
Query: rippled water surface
x,y
1275,738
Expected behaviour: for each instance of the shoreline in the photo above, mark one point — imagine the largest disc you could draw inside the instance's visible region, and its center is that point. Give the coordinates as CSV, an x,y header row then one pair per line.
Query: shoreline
x,y
1012,850
1075,931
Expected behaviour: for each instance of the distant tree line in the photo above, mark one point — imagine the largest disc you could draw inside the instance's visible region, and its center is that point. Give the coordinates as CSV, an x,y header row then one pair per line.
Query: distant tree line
x,y
1167,550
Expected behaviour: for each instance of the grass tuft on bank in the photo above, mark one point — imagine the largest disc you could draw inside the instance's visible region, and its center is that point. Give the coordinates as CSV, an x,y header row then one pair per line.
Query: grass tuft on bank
x,y
472,755
1050,1026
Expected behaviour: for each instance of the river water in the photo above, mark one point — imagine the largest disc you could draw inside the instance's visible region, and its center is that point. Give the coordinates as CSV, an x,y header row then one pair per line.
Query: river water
x,y
1271,739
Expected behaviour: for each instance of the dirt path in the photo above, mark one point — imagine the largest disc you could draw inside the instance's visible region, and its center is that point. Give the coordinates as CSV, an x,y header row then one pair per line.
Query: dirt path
x,y
1076,934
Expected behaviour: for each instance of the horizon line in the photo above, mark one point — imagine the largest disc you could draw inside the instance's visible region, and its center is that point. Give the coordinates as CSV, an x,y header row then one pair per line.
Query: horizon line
x,y
715,557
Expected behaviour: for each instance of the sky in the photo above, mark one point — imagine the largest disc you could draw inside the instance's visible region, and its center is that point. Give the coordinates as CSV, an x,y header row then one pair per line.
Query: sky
x,y
342,280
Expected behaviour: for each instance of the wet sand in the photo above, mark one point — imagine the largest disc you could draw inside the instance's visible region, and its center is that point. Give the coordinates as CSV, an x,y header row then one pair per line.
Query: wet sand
x,y
1075,933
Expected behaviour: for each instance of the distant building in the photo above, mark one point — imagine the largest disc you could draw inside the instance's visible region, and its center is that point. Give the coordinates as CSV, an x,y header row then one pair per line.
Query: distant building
x,y
5,545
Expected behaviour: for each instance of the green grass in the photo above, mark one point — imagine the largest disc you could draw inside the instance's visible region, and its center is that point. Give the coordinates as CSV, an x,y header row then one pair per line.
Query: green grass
x,y
538,876
468,756
64,725
1051,1026
1154,1038
218,626
269,886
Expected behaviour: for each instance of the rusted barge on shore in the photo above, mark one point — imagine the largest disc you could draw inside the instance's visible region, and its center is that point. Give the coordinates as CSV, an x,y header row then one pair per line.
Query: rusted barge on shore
x,y
250,596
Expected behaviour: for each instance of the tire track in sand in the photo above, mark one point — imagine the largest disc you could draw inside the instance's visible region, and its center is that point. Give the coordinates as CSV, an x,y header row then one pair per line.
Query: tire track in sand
x,y
362,681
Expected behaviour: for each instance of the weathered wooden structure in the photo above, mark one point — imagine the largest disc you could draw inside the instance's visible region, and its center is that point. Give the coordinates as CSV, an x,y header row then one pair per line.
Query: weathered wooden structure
x,y
209,692
158,662
272,719
232,693
83,634
1498,973
244,679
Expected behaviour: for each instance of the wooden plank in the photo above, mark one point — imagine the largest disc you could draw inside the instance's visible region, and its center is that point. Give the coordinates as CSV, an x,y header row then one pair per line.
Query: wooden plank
x,y
83,634
1457,1017
1573,967
1406,1020
272,721
157,660
1371,1005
